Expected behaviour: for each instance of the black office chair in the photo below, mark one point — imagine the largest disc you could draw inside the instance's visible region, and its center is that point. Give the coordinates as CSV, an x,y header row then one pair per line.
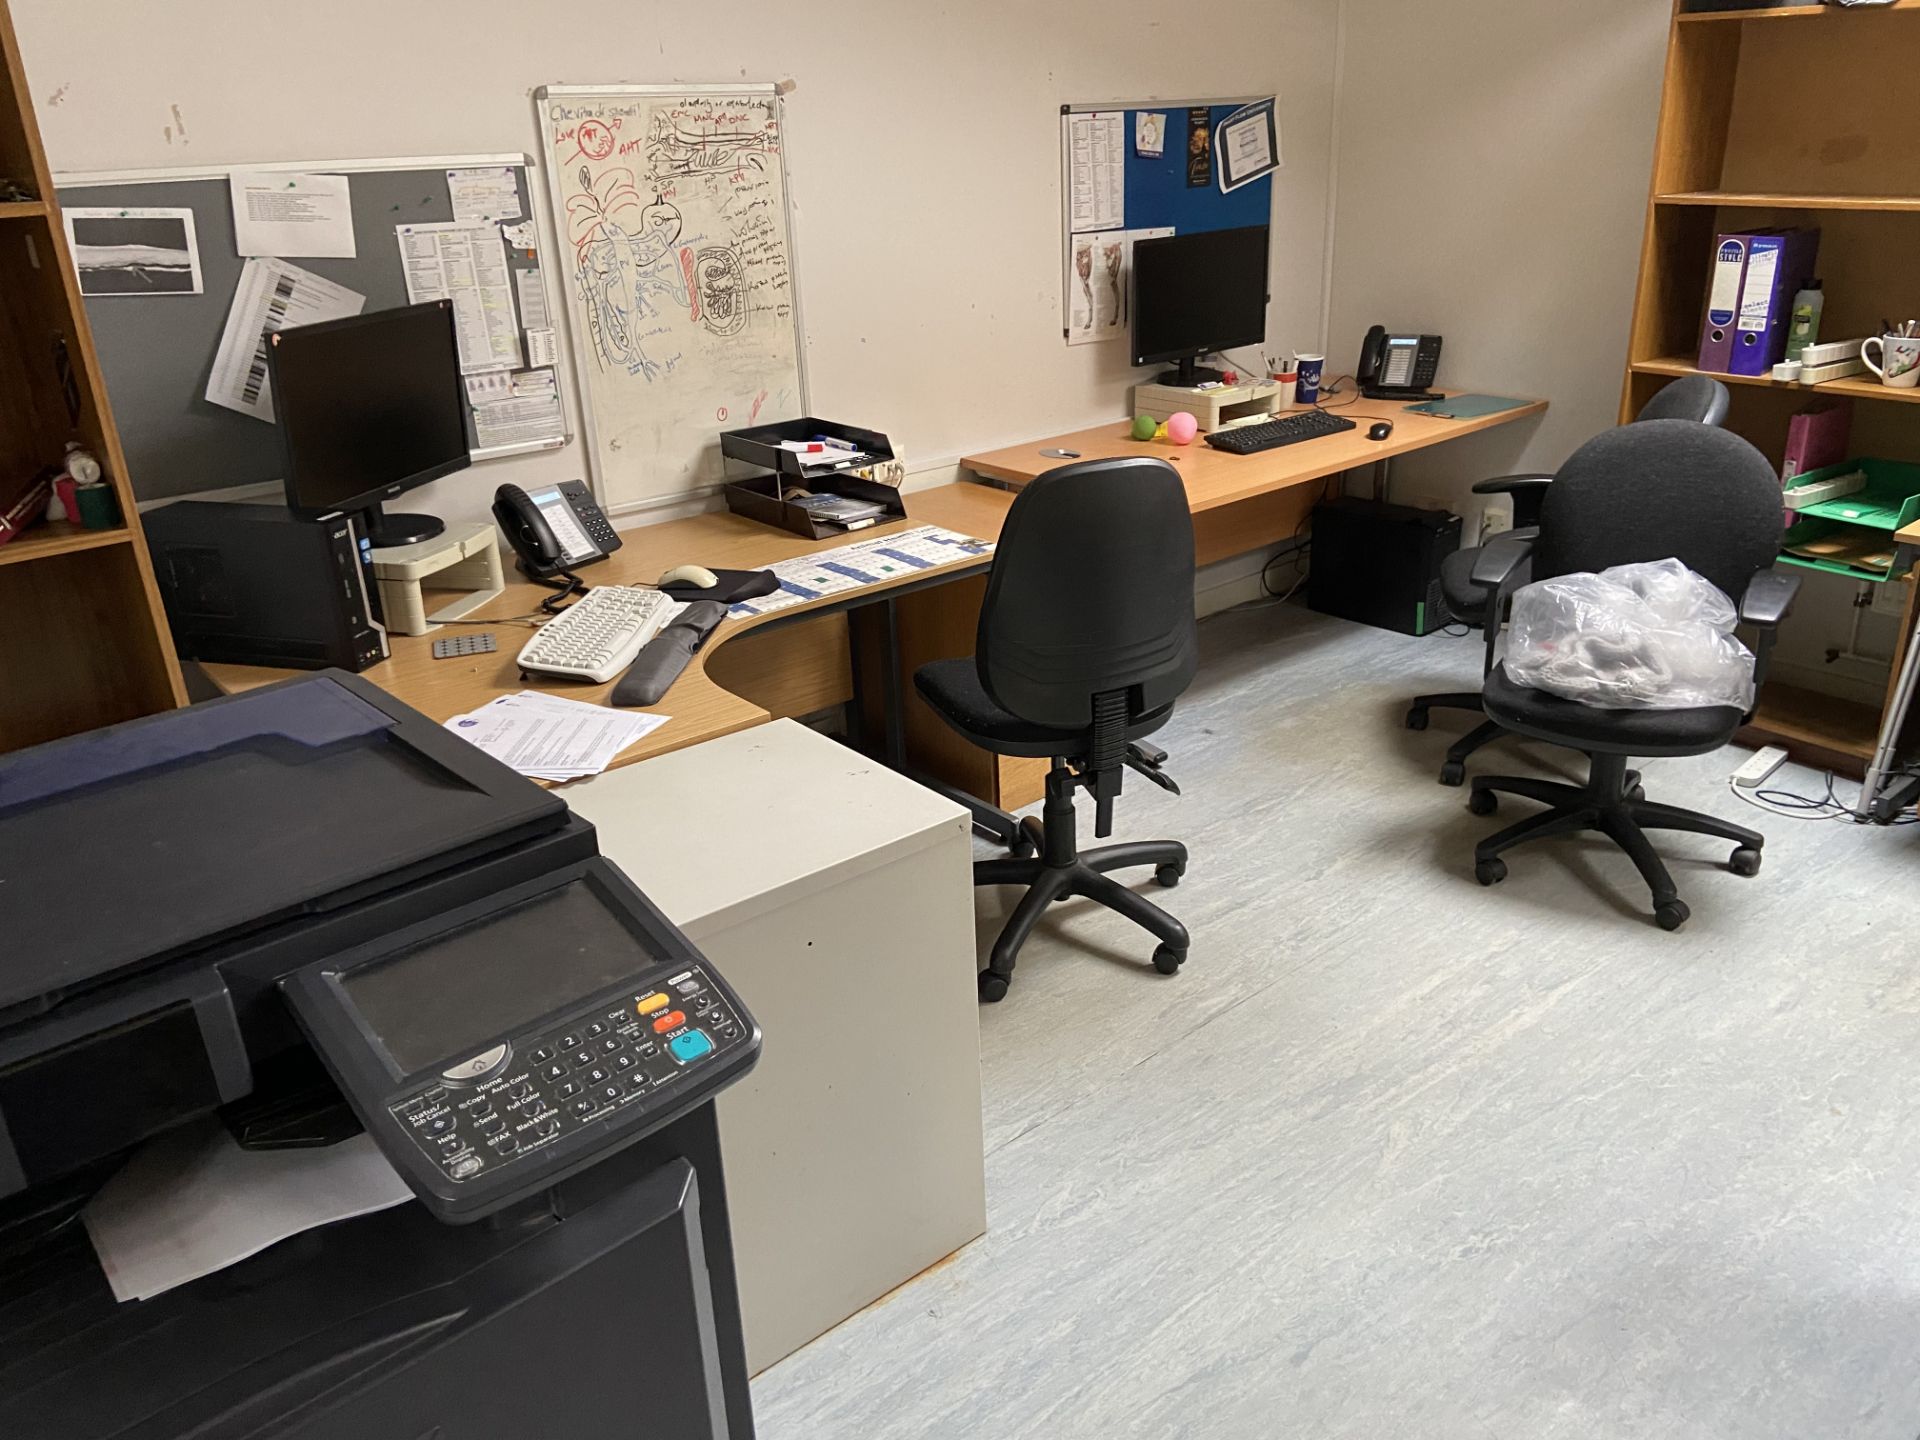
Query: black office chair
x,y
1086,638
1666,488
1699,398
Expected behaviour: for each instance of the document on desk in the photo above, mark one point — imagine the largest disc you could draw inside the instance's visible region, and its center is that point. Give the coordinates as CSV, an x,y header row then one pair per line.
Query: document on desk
x,y
850,567
272,295
192,1202
466,264
548,737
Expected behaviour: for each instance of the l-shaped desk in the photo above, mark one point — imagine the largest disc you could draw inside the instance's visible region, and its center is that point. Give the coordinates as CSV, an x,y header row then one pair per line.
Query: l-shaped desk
x,y
801,661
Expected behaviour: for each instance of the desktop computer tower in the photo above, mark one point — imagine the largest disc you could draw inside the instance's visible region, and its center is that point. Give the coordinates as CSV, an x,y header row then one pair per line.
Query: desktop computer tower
x,y
258,585
1380,564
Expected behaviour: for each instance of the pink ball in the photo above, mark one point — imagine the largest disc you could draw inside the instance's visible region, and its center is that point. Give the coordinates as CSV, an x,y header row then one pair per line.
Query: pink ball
x,y
1182,427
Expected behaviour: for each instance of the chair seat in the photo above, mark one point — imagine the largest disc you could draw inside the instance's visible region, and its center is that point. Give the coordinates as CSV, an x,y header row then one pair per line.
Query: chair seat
x,y
1611,732
953,689
1466,600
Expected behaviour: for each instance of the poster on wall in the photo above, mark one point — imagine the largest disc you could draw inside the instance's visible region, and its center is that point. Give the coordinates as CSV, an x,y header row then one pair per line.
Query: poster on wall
x,y
1199,148
1099,276
1248,144
134,251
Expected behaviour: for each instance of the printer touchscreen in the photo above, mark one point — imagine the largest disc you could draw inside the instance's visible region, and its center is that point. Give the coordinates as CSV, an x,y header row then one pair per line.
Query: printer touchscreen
x,y
448,995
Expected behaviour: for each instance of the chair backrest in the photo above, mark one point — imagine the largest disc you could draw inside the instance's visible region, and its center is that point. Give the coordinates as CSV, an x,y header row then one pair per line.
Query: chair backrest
x,y
1699,398
1660,489
1091,592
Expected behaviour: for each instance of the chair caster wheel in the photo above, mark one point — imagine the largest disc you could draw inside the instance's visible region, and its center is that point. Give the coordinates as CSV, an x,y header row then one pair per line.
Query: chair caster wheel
x,y
1636,793
1168,960
1490,872
1417,718
1453,773
993,988
1745,861
1483,802
1020,847
1168,875
1671,914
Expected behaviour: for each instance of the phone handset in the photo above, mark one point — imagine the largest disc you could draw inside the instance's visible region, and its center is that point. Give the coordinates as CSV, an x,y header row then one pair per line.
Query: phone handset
x,y
528,532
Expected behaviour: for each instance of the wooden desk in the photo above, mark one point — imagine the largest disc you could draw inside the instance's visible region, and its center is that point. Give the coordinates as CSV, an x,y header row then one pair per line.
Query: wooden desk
x,y
799,669
1246,502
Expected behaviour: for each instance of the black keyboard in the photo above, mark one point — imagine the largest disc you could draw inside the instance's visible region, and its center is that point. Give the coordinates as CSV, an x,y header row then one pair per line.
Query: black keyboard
x,y
1272,434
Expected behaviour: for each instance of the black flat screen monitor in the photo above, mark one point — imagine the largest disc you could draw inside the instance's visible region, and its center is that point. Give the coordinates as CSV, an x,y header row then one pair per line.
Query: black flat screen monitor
x,y
369,407
1195,294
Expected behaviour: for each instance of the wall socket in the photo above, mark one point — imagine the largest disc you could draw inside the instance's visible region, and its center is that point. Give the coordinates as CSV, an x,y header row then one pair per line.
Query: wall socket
x,y
1494,519
1890,597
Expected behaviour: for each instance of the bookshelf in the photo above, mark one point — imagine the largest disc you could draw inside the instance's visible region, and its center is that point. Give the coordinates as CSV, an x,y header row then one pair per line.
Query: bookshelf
x,y
83,639
1737,150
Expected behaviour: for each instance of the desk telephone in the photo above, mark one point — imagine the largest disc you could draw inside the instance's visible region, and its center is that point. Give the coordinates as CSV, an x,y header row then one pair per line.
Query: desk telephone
x,y
555,529
1398,367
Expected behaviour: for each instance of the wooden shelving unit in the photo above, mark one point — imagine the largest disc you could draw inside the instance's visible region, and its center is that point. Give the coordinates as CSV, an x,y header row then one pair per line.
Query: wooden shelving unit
x,y
1738,150
83,639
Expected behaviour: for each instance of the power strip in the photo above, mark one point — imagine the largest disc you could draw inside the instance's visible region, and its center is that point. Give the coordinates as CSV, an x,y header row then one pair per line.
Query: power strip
x,y
1760,764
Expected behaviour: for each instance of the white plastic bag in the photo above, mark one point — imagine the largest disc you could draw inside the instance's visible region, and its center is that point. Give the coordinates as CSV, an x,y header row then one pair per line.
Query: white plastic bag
x,y
1654,636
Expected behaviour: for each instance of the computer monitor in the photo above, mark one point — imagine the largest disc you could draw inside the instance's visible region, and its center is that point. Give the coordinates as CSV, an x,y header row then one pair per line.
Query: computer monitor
x,y
1195,294
369,407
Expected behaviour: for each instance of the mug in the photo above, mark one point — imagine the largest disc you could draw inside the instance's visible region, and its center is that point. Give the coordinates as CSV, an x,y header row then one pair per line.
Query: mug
x,y
1307,387
1900,360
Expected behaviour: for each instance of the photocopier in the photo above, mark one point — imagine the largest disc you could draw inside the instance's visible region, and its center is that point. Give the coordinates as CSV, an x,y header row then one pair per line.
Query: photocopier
x,y
306,912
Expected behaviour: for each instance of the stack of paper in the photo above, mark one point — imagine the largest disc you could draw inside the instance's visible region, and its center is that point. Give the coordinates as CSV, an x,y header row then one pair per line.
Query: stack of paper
x,y
548,738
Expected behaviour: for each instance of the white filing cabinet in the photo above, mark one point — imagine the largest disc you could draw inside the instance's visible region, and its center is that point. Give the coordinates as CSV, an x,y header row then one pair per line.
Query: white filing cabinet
x,y
837,898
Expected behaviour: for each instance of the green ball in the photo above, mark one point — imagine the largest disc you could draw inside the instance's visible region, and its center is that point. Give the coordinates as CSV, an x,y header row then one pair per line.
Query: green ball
x,y
1144,427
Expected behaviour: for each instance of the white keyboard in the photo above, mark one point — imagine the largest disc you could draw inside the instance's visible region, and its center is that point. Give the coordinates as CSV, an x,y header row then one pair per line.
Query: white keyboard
x,y
597,636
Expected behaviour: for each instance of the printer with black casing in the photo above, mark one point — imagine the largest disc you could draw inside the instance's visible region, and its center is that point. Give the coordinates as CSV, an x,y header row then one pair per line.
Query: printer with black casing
x,y
308,910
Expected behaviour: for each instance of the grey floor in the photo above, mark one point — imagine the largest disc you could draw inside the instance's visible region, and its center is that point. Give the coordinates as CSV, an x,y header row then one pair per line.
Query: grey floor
x,y
1397,1155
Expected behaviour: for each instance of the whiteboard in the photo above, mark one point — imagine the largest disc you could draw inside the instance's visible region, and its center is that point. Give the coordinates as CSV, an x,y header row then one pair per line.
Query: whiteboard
x,y
675,254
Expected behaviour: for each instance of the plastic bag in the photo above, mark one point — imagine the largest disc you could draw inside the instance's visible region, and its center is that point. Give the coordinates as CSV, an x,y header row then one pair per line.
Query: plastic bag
x,y
1653,636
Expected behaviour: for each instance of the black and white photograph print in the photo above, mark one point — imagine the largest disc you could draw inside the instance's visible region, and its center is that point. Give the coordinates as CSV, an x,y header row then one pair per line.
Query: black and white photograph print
x,y
134,252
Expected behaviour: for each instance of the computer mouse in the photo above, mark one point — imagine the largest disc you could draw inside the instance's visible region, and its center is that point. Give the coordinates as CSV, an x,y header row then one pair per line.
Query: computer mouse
x,y
1381,430
698,576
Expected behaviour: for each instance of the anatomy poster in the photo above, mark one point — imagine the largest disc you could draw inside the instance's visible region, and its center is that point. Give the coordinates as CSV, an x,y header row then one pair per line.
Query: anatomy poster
x,y
675,253
1099,274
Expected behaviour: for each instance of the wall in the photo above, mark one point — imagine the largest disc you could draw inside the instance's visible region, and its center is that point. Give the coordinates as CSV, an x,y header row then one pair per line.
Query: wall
x,y
1493,162
923,146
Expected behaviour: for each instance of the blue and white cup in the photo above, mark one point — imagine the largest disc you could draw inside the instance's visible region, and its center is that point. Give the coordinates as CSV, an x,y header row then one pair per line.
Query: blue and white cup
x,y
1307,387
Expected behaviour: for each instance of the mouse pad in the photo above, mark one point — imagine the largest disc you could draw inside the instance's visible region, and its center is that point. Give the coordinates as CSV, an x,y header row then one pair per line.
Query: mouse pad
x,y
732,586
1466,407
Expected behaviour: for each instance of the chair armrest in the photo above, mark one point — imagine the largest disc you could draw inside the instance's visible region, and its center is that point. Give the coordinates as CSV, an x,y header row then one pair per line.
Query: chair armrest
x,y
1528,492
1769,597
1501,556
1507,484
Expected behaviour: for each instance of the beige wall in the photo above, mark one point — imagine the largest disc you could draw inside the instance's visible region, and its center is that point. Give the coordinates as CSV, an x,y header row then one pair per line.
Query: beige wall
x,y
1492,161
923,146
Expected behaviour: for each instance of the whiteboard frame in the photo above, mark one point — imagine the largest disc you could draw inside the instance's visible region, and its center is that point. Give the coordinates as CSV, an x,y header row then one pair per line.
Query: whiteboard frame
x,y
76,179
554,201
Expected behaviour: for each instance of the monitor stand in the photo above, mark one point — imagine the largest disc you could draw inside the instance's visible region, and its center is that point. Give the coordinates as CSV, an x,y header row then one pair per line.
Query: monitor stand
x,y
1188,375
387,531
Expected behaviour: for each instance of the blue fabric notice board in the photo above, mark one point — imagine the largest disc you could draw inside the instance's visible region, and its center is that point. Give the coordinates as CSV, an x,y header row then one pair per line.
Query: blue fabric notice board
x,y
1157,189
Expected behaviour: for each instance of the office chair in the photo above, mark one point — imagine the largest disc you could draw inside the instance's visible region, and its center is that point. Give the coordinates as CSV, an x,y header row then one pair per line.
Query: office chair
x,y
1648,491
1699,398
1086,638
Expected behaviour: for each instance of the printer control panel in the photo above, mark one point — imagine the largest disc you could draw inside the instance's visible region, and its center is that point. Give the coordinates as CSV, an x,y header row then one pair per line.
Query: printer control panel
x,y
609,1061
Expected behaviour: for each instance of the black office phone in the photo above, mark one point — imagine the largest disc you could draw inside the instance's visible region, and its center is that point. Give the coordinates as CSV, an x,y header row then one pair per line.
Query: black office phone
x,y
1398,367
554,529
499,1048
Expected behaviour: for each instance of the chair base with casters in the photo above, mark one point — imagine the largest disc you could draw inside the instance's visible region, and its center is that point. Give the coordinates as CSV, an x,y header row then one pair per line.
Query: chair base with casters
x,y
1045,853
1061,870
1453,770
1612,801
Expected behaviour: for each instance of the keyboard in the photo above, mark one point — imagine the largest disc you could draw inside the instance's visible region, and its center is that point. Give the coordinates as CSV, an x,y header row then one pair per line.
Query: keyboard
x,y
1272,434
597,636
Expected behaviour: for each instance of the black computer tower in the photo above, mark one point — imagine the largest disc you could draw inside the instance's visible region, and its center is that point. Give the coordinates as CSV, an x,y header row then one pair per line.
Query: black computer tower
x,y
257,585
1380,564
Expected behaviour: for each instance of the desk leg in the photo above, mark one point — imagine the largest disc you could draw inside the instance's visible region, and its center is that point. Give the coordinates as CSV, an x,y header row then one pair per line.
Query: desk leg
x,y
873,640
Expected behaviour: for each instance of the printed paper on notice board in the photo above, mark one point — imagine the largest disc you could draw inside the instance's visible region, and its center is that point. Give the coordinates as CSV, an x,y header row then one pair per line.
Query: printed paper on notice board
x,y
1247,145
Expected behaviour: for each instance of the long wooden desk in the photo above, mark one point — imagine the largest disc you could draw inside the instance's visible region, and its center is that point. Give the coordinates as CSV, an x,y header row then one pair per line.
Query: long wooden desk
x,y
1245,502
706,701
800,662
